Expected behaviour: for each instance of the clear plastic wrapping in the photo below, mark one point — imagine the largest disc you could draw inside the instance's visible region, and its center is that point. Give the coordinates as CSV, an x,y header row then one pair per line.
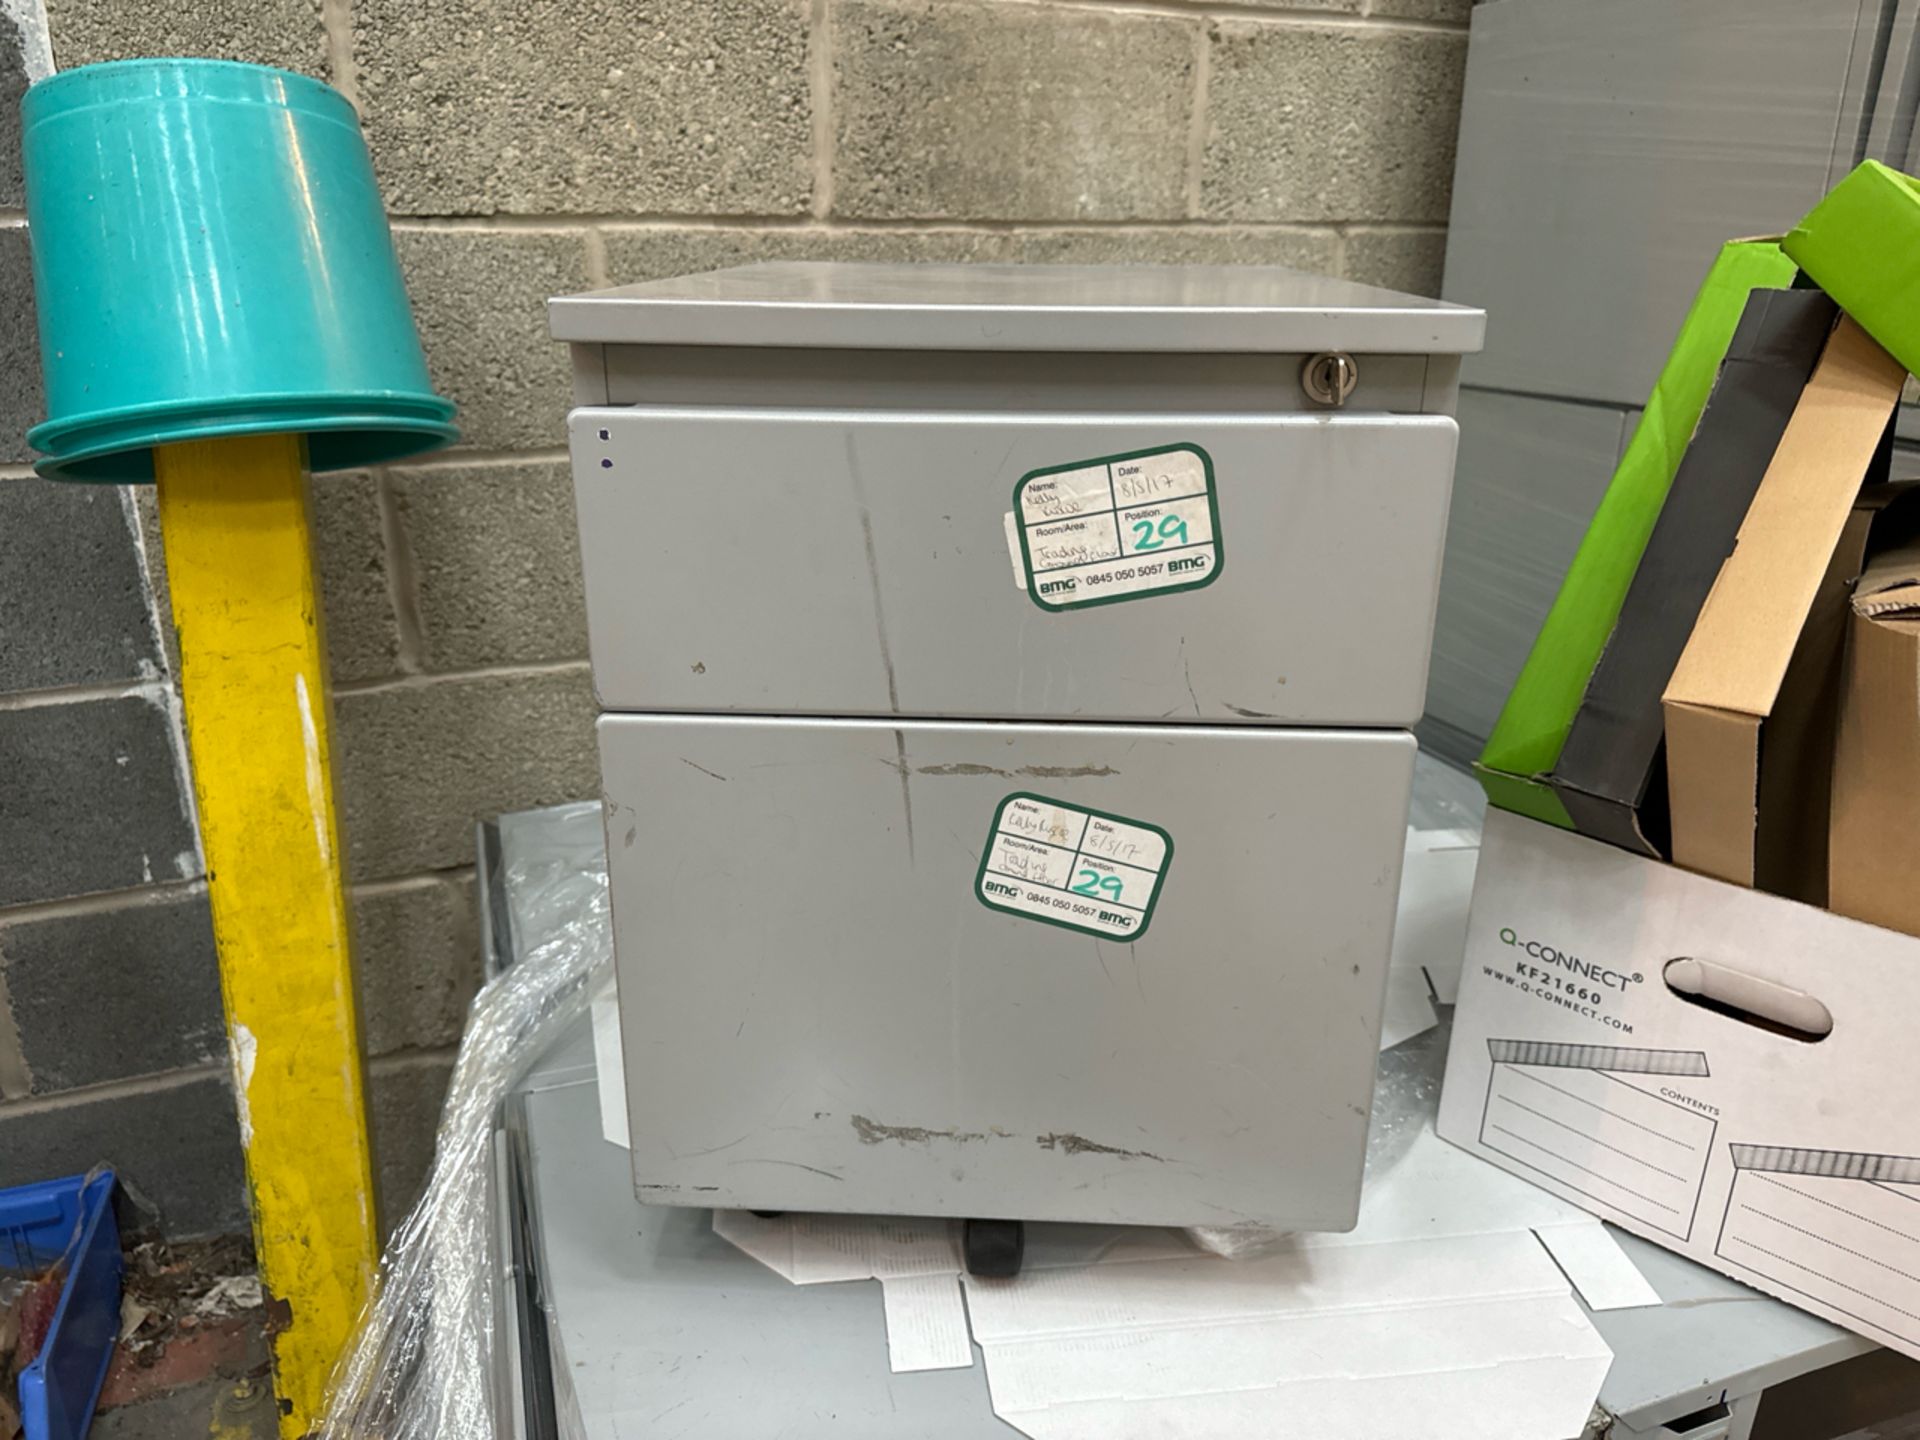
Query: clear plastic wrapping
x,y
1406,1096
421,1364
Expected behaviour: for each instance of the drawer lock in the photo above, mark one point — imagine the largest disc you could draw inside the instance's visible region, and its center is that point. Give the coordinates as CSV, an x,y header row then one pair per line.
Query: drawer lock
x,y
1329,377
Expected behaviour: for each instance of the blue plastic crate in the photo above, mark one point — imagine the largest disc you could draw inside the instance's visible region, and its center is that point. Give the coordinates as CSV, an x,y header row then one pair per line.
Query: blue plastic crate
x,y
69,1223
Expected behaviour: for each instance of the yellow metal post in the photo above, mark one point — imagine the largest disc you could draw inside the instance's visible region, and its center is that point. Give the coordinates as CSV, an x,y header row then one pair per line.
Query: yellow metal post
x,y
236,523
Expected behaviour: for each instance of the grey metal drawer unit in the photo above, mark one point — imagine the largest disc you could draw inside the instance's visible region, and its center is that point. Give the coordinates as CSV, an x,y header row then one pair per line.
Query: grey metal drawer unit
x,y
780,524
1005,675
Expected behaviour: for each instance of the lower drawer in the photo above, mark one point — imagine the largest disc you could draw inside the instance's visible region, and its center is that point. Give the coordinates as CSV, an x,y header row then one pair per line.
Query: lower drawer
x,y
1071,972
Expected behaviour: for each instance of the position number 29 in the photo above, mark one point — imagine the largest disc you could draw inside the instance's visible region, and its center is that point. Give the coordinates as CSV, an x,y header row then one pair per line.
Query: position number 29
x,y
1148,536
1092,882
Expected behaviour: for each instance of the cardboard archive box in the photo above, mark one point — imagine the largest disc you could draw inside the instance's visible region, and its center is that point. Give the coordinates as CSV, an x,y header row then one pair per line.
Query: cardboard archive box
x,y
1874,851
1599,1050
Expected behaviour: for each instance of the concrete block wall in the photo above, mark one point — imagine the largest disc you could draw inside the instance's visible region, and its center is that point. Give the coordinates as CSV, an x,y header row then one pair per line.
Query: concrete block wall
x,y
525,151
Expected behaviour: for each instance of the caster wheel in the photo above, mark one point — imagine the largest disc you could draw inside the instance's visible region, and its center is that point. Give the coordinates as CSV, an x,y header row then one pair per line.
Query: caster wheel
x,y
767,1214
994,1248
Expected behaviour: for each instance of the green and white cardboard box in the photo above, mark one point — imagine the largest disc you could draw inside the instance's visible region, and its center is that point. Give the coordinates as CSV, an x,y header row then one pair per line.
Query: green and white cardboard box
x,y
1601,1048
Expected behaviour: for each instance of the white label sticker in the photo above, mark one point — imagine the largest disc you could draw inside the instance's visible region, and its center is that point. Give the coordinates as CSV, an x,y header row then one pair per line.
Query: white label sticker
x,y
1082,869
1119,528
1012,524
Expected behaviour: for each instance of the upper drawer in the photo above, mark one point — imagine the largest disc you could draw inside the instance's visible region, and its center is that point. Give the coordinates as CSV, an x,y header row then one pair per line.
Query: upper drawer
x,y
1198,567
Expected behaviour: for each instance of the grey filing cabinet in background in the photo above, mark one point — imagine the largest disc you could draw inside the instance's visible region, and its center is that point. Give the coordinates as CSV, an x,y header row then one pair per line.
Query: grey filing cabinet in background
x,y
1006,678
1606,151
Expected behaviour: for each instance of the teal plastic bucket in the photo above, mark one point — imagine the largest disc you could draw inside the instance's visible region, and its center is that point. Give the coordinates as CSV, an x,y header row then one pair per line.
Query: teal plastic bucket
x,y
210,257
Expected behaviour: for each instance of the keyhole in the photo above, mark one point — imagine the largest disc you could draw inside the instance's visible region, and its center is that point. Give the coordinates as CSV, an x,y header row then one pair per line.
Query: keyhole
x,y
1329,378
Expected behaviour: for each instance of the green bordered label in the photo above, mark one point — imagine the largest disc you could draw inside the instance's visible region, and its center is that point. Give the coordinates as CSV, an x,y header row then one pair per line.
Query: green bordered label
x,y
1082,869
1121,527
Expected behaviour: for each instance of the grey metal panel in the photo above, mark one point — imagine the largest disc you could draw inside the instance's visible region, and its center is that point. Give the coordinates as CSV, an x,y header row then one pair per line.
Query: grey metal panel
x,y
1530,473
1606,152
1018,307
1711,1336
1075,381
1890,137
1909,121
819,1014
1448,742
1906,462
1629,422
589,374
835,562
1442,395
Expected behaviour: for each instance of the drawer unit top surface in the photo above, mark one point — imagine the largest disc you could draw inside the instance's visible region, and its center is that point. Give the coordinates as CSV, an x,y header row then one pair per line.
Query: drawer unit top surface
x,y
1180,567
1073,972
1119,308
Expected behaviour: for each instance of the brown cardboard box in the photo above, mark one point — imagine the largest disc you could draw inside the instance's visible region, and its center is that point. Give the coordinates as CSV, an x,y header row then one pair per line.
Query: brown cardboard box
x,y
1750,708
1876,762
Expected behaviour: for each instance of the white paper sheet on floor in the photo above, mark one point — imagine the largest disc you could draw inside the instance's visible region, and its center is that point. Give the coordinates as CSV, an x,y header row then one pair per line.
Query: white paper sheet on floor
x,y
607,1063
1430,932
1445,1312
